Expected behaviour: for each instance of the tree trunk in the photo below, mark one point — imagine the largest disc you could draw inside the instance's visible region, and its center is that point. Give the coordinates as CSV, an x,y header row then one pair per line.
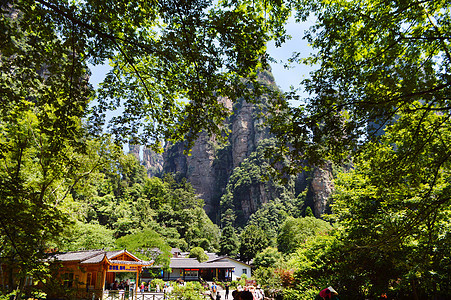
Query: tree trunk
x,y
414,290
20,288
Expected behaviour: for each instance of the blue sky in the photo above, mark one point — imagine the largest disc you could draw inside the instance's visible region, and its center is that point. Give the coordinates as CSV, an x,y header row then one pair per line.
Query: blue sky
x,y
295,73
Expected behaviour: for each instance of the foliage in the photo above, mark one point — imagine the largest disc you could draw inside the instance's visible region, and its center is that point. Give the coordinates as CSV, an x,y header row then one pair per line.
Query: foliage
x,y
295,231
253,176
147,244
229,242
85,236
155,51
252,240
199,253
270,216
155,282
373,60
125,200
403,212
269,257
44,149
268,279
315,267
382,75
192,290
392,213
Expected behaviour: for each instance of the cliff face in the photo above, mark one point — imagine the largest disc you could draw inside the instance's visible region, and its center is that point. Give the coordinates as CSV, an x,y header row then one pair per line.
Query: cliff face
x,y
322,187
210,165
152,161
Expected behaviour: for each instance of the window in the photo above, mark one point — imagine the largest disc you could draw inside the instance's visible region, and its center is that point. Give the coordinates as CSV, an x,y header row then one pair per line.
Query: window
x,y
244,271
191,273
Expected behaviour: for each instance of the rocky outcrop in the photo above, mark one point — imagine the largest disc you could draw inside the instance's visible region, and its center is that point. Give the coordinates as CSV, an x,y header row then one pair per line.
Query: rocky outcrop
x,y
210,164
322,187
200,170
152,161
242,137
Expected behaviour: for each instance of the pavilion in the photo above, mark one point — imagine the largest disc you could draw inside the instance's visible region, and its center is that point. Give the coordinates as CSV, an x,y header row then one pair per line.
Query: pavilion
x,y
88,273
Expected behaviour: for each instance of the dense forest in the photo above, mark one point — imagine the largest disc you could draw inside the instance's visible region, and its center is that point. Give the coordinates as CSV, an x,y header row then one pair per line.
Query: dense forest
x,y
376,116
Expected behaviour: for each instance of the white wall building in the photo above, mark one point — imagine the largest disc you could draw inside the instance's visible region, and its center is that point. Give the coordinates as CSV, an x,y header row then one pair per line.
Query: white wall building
x,y
240,268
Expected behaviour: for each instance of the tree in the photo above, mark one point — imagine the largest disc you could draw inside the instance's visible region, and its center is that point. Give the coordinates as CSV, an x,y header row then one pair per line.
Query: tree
x,y
87,236
147,244
374,60
229,242
252,177
294,232
44,149
199,254
400,208
267,258
392,218
162,53
155,192
380,98
252,240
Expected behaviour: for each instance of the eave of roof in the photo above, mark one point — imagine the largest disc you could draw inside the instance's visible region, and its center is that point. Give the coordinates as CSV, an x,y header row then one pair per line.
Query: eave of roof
x,y
193,263
226,257
97,256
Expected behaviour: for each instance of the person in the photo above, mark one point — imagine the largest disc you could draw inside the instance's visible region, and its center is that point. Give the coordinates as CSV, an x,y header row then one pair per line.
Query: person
x,y
213,288
246,295
328,293
226,291
218,296
236,295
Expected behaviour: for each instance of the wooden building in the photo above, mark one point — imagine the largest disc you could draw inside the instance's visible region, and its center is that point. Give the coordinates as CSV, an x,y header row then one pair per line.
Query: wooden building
x,y
89,273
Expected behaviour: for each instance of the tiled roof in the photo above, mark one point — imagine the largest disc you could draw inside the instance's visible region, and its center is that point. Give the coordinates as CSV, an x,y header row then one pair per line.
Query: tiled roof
x,y
95,256
76,255
111,254
94,260
225,258
211,255
180,263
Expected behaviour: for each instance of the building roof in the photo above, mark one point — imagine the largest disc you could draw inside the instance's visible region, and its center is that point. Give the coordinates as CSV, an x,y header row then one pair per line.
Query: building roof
x,y
193,263
76,255
96,256
225,258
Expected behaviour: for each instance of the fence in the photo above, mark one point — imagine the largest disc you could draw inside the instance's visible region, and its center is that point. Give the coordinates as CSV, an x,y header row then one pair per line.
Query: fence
x,y
129,295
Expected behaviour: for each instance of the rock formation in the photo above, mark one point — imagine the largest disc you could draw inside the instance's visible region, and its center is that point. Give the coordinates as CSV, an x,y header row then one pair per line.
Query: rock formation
x,y
322,187
210,164
152,161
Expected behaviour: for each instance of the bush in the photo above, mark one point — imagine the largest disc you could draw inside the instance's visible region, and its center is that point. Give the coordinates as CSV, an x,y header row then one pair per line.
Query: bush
x,y
156,281
192,290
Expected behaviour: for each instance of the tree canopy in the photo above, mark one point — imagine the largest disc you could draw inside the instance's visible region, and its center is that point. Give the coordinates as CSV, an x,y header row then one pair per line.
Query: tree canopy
x,y
374,60
170,60
379,98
